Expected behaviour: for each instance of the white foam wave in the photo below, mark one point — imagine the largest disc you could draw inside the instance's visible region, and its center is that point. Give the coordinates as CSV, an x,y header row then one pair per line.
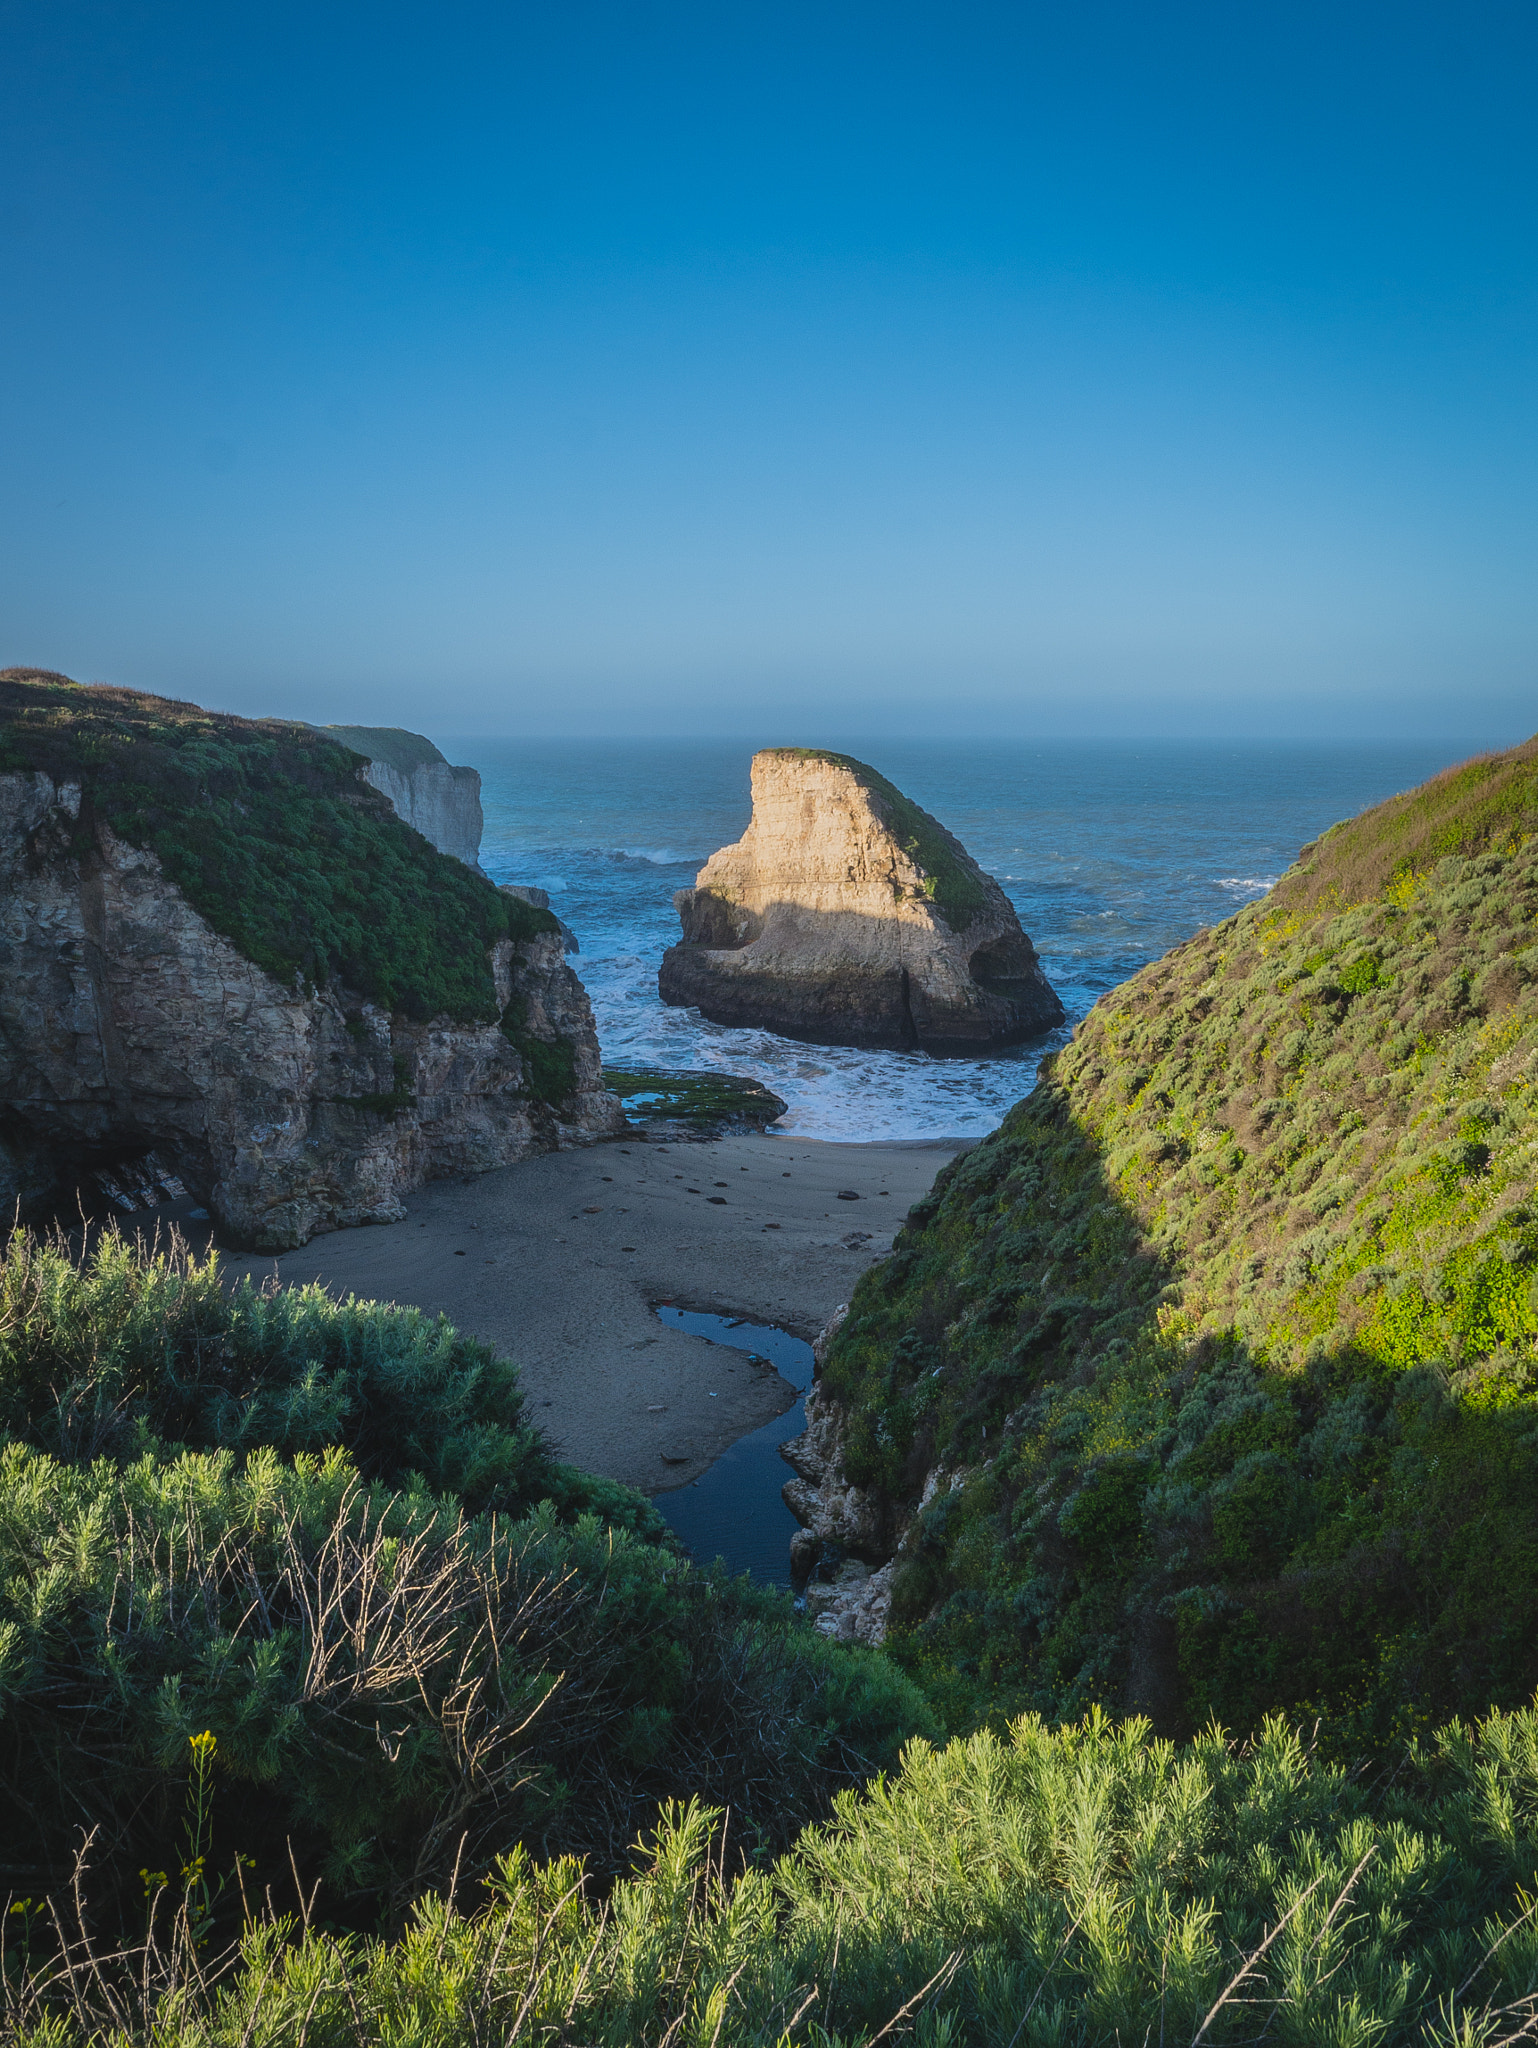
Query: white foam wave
x,y
833,1092
661,856
1247,885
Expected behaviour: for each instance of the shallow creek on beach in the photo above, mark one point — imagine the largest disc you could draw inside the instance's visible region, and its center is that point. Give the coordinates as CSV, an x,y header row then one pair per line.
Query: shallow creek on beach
x,y
734,1511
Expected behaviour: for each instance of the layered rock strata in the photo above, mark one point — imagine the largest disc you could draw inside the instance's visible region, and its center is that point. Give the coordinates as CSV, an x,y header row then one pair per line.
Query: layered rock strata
x,y
441,801
820,1496
846,915
128,1023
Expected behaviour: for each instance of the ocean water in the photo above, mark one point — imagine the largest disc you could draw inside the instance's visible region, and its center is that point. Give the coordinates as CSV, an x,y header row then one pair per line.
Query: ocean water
x,y
1111,853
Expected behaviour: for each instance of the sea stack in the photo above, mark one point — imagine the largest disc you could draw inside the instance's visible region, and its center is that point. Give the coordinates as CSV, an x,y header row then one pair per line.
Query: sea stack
x,y
846,915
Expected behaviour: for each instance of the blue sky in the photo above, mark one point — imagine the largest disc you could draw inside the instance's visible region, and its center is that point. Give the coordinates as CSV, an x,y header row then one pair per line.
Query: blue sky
x,y
610,369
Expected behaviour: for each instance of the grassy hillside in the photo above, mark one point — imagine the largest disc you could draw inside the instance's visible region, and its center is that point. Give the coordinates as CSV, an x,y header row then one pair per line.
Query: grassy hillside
x,y
1228,1339
268,830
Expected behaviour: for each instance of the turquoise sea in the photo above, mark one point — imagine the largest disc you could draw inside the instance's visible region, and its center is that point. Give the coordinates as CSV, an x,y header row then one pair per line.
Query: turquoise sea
x,y
1111,853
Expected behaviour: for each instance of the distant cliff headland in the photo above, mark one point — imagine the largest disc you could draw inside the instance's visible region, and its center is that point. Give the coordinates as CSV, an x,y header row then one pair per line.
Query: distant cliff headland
x,y
441,801
847,915
222,943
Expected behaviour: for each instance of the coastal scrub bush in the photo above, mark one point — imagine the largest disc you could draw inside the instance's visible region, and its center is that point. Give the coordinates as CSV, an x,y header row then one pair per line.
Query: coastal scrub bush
x,y
1077,1887
394,1691
272,835
1225,1345
325,1535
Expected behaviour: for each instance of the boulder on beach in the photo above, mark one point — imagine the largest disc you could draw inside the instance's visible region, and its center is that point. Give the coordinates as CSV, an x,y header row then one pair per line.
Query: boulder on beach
x,y
845,915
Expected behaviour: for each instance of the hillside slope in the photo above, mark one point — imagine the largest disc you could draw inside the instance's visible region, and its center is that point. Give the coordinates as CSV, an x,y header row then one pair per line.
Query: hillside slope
x,y
1218,1359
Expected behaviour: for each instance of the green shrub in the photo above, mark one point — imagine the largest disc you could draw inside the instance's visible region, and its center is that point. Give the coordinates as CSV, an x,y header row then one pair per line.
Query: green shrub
x,y
392,1689
1073,1888
126,1350
326,1534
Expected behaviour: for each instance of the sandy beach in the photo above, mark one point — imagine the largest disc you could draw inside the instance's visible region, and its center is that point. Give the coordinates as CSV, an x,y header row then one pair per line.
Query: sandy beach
x,y
560,1261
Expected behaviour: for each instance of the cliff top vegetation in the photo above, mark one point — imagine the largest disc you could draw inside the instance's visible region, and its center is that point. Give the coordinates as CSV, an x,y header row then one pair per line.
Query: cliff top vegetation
x,y
1489,801
398,749
270,832
1226,1342
956,885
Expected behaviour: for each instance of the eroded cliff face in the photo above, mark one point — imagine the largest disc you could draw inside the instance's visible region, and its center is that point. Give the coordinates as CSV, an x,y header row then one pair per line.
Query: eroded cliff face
x,y
847,916
127,1022
440,801
443,803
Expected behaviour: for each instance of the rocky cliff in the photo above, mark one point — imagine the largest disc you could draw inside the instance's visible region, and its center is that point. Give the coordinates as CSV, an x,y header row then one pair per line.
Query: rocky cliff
x,y
441,801
848,916
218,942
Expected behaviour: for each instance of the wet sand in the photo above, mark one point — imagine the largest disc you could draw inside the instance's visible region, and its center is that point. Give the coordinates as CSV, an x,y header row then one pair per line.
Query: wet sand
x,y
559,1262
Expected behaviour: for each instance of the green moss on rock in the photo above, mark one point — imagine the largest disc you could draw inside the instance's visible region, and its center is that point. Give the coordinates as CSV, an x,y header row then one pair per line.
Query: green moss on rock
x,y
706,1103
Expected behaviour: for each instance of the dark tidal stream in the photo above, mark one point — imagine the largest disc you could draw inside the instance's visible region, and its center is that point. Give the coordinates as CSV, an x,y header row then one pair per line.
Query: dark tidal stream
x,y
734,1511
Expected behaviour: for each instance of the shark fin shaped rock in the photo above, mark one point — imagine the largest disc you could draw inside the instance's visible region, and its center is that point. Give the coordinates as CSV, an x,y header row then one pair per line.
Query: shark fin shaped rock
x,y
845,915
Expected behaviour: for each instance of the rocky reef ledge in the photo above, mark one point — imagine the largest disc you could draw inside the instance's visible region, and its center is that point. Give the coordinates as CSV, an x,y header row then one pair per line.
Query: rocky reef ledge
x,y
845,915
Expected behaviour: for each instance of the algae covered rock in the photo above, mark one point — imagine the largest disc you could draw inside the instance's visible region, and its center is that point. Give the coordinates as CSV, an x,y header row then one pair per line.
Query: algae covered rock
x,y
848,916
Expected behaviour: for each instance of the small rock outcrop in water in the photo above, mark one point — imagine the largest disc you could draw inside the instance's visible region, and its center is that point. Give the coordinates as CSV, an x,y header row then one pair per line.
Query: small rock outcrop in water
x,y
302,1047
848,916
441,801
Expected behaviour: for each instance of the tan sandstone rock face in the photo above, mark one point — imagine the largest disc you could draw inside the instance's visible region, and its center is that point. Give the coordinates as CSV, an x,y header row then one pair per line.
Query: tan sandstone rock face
x,y
127,1022
847,916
